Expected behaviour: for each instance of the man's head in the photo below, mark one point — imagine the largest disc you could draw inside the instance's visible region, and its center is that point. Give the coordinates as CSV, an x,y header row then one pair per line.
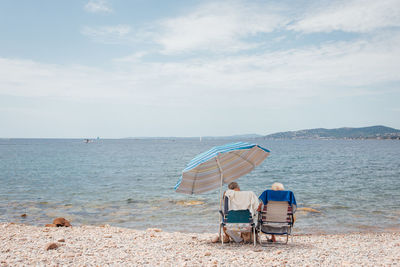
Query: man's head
x,y
277,187
234,186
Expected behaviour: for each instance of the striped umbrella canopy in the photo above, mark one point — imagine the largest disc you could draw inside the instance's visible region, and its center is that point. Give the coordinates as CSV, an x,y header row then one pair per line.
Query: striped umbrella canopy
x,y
219,165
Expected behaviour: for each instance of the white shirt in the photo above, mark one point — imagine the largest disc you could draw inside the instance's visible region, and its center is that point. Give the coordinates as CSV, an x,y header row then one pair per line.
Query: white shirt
x,y
242,200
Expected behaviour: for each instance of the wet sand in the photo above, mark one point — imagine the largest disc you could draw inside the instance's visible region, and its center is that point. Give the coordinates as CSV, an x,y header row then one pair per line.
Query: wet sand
x,y
105,245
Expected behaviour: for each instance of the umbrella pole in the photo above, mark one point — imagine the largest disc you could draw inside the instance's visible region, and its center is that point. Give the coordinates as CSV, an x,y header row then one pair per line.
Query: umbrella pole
x,y
222,179
220,201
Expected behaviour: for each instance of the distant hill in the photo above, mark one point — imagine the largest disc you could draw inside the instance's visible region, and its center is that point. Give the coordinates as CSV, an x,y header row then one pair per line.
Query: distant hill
x,y
239,136
234,137
372,132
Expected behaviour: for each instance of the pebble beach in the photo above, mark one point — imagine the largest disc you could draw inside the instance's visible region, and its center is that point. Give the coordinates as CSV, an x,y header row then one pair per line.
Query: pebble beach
x,y
105,245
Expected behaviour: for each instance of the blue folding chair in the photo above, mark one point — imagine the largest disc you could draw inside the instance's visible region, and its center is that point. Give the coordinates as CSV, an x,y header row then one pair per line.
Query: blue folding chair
x,y
277,214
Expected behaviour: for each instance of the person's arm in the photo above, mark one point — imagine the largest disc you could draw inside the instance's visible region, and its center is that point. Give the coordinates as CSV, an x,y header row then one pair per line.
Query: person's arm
x,y
262,198
259,206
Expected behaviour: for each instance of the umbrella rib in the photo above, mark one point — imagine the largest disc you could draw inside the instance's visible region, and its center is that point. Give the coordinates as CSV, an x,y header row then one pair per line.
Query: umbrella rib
x,y
194,181
240,156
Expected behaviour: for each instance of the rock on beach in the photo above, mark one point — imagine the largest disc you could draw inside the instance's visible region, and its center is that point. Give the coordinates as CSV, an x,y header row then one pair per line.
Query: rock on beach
x,y
61,222
51,246
100,246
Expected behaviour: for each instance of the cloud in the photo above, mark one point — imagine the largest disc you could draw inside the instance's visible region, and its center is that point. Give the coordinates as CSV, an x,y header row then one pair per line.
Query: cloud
x,y
350,16
218,27
108,34
232,27
212,27
135,57
98,6
275,79
240,59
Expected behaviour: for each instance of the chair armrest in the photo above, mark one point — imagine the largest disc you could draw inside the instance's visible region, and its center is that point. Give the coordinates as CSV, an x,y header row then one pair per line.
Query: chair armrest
x,y
223,217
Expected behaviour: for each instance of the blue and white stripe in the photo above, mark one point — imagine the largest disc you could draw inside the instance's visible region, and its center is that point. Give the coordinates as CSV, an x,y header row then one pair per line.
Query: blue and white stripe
x,y
203,173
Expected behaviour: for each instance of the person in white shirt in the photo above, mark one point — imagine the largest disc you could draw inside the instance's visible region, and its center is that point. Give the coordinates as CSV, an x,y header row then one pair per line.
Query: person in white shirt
x,y
240,200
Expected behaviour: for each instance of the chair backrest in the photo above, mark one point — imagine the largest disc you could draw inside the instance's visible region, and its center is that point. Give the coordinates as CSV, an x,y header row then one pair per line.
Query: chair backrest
x,y
276,212
239,216
235,216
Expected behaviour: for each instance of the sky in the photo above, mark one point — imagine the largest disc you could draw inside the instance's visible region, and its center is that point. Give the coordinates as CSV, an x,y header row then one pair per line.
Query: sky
x,y
114,68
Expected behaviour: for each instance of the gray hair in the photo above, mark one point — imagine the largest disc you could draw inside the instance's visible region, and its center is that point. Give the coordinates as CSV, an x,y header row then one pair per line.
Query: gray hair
x,y
277,187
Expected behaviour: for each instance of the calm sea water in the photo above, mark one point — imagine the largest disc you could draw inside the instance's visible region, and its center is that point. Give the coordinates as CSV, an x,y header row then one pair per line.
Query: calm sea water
x,y
354,184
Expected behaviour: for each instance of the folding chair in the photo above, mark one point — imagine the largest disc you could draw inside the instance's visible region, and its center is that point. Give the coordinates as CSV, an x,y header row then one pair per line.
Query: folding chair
x,y
236,218
276,218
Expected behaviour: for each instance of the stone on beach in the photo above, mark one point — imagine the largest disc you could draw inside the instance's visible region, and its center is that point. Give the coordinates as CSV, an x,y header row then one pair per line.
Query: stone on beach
x,y
61,222
154,230
24,245
51,246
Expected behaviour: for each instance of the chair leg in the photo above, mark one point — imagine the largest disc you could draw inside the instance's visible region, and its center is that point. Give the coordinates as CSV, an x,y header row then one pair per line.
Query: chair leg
x,y
219,233
254,236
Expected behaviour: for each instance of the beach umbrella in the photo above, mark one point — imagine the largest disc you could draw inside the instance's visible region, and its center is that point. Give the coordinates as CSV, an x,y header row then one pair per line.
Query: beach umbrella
x,y
220,165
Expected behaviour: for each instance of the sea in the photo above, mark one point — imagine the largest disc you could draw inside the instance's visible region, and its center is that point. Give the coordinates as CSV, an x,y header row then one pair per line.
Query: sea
x,y
341,186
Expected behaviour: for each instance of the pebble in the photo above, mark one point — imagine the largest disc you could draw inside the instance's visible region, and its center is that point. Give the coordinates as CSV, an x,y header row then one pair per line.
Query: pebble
x,y
153,230
51,246
87,246
61,222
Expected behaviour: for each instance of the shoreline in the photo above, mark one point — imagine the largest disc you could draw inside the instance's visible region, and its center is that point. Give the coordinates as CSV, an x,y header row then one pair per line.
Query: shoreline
x,y
365,230
104,245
